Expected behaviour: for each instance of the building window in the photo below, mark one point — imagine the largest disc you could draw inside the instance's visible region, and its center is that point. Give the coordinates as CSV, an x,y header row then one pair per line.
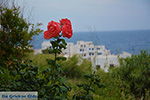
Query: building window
x,y
81,45
81,49
99,53
91,53
84,55
89,48
84,45
92,48
98,48
112,65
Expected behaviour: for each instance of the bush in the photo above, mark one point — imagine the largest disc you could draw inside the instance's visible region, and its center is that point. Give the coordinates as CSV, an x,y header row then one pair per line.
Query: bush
x,y
25,77
88,87
75,67
111,90
134,73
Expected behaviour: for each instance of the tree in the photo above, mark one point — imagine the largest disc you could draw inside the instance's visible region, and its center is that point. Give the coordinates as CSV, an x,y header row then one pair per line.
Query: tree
x,y
15,34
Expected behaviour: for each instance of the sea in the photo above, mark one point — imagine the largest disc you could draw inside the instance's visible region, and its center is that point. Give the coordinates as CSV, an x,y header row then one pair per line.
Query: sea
x,y
115,41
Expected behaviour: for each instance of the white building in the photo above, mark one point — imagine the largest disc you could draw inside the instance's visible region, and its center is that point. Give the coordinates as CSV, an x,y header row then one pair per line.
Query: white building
x,y
45,45
70,50
105,61
97,54
85,49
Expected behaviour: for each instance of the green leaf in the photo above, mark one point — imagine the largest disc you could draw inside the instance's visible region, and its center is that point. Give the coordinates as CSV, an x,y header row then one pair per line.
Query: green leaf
x,y
51,62
61,58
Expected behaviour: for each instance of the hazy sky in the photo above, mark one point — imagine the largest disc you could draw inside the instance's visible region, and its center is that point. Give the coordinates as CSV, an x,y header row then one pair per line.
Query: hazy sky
x,y
93,15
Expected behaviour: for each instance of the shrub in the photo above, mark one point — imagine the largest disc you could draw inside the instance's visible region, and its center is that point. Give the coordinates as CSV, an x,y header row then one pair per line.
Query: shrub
x,y
135,74
88,87
76,67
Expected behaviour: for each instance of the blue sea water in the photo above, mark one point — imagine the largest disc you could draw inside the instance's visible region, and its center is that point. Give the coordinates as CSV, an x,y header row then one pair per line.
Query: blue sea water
x,y
116,41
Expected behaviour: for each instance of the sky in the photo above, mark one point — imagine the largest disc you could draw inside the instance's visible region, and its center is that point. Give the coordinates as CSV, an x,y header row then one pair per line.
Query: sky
x,y
91,15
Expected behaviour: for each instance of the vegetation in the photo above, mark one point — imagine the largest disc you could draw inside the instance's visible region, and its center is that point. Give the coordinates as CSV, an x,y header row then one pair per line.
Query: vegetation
x,y
88,87
115,85
15,35
58,78
134,73
76,67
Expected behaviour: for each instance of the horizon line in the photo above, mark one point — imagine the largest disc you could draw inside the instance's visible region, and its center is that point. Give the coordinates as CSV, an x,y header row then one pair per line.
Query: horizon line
x,y
114,30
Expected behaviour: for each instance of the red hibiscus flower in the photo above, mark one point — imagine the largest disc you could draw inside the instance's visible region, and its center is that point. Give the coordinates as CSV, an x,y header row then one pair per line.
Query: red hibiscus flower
x,y
53,30
66,28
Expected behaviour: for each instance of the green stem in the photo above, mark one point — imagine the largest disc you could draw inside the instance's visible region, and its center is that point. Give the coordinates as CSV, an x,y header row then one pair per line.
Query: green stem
x,y
55,57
